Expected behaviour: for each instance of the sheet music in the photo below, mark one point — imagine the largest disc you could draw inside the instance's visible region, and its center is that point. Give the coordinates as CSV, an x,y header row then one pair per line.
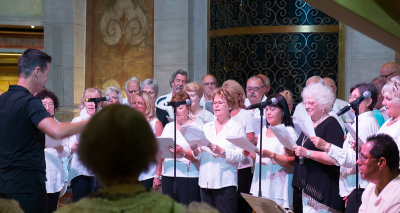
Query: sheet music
x,y
242,143
194,135
283,136
52,143
352,132
302,120
262,204
163,146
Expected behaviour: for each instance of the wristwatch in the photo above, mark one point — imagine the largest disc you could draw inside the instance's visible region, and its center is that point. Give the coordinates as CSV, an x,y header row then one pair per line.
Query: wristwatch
x,y
308,153
158,177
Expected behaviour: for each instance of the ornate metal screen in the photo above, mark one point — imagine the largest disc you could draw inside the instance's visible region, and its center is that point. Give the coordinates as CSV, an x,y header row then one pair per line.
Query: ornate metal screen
x,y
287,40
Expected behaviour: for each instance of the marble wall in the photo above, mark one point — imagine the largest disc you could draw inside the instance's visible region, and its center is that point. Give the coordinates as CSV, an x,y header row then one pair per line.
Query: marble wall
x,y
364,57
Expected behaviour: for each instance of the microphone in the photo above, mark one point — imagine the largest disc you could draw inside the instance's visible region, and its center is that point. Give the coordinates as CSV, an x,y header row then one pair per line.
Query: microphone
x,y
355,103
272,101
178,103
98,100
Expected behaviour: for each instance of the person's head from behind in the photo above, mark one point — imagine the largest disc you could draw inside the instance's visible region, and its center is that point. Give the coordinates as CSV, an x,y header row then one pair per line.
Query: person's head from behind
x,y
10,206
117,145
178,80
49,101
151,86
358,90
115,95
330,83
378,157
278,113
36,64
237,90
289,98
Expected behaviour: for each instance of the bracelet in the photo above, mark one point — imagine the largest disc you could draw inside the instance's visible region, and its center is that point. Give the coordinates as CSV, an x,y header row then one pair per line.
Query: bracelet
x,y
329,147
274,157
158,177
308,153
194,156
184,154
224,154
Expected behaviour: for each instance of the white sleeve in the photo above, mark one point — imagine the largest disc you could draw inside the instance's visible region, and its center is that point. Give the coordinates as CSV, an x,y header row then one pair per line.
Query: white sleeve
x,y
249,122
345,156
235,155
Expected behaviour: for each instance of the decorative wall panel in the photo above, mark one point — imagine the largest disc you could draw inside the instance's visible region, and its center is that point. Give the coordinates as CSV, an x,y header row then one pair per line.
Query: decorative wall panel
x,y
119,41
287,54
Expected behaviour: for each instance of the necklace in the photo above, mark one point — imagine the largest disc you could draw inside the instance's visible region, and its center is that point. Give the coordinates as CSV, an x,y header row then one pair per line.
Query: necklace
x,y
320,120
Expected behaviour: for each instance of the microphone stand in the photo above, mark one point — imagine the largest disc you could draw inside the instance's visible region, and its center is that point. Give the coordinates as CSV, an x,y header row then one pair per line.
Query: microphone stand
x,y
357,113
174,181
260,165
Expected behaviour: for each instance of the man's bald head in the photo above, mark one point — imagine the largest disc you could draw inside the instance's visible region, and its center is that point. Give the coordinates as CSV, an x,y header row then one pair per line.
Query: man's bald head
x,y
315,80
389,70
330,83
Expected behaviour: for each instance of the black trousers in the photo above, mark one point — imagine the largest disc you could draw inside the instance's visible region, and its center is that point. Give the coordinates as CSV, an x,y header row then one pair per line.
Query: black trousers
x,y
82,186
352,205
35,202
52,201
187,189
148,183
297,200
224,199
244,183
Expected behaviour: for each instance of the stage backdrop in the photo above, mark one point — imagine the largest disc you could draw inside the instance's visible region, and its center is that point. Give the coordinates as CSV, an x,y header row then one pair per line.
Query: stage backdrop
x,y
119,42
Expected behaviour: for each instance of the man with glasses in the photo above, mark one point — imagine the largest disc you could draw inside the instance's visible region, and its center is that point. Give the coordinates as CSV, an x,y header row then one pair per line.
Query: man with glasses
x,y
132,86
255,90
209,83
389,70
379,165
267,82
177,81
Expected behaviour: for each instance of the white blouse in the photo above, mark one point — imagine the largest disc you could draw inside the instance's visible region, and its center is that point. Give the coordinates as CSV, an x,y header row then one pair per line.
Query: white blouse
x,y
151,171
76,167
184,167
346,157
392,130
218,172
276,180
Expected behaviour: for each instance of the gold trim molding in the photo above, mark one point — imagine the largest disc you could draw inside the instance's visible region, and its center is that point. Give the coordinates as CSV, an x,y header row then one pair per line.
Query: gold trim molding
x,y
275,29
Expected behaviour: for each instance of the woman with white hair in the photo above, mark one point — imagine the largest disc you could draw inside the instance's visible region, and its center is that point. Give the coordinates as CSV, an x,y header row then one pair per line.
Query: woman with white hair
x,y
316,177
391,101
115,95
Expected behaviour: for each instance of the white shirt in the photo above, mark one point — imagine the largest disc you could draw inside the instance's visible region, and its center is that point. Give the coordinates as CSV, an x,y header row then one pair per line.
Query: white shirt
x,y
218,172
337,106
76,167
276,180
205,116
55,173
388,201
247,101
184,167
392,130
164,99
245,118
207,105
346,156
151,171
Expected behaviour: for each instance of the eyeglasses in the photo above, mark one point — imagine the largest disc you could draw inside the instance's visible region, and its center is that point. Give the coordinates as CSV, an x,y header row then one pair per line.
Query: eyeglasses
x,y
364,158
48,104
310,103
385,76
255,89
210,84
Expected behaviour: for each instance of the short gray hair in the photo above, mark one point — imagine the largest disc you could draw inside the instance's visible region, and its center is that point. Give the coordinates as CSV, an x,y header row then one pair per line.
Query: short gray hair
x,y
322,94
132,79
151,83
109,90
180,72
392,87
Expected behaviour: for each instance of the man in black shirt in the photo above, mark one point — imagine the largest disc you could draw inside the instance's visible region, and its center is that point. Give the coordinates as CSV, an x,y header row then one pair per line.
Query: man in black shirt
x,y
23,121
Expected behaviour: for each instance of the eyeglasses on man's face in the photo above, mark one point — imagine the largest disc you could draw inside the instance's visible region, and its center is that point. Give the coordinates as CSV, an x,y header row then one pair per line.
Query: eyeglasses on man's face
x,y
133,91
255,89
385,76
209,84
